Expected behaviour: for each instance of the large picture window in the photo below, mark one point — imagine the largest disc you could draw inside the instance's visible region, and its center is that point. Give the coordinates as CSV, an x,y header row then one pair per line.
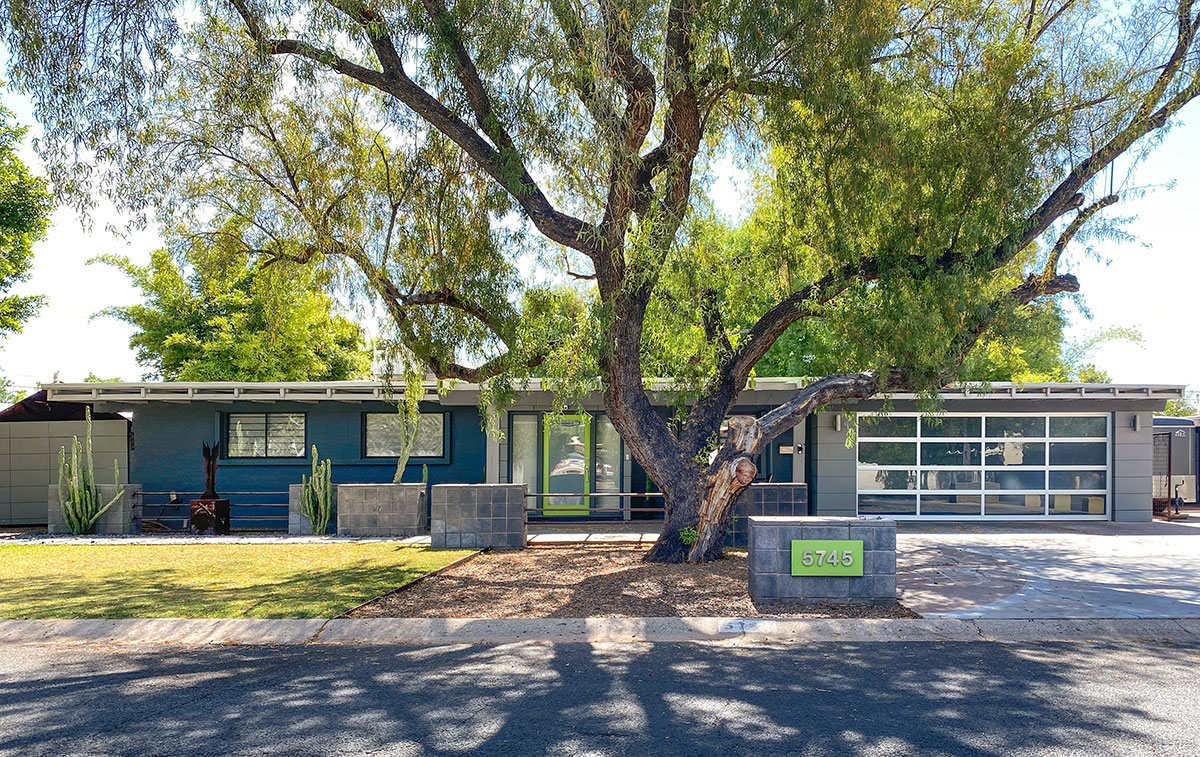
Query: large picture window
x,y
264,435
385,435
1010,465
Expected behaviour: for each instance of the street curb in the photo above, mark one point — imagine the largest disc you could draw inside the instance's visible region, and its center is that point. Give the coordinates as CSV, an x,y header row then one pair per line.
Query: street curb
x,y
434,631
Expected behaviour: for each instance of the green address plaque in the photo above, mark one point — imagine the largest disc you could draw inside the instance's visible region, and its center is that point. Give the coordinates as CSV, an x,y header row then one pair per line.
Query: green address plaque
x,y
827,557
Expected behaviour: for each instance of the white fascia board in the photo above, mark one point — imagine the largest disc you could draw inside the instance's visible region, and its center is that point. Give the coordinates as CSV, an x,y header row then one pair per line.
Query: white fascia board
x,y
366,391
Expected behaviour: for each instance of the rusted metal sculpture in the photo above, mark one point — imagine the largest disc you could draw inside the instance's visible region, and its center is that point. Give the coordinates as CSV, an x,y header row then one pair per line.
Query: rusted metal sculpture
x,y
210,513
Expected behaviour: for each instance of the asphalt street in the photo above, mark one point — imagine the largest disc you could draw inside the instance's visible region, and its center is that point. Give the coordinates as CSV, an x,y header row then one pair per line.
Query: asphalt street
x,y
581,699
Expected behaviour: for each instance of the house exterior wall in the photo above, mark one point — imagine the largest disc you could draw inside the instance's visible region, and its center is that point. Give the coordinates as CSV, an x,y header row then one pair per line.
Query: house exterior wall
x,y
29,462
834,490
1133,466
167,438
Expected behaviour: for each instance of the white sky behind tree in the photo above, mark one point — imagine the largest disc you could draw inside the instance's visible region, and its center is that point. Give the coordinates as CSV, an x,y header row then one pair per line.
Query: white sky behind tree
x,y
1148,284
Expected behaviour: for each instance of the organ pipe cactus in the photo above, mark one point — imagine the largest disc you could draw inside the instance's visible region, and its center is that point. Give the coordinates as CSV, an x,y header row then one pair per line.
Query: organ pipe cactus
x,y
78,495
316,494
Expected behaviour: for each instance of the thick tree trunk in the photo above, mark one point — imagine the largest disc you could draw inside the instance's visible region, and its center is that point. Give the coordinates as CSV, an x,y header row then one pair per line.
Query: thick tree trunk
x,y
683,506
724,484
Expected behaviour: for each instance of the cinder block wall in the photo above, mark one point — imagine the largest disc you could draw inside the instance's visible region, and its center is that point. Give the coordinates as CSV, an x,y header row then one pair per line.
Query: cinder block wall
x,y
770,561
478,516
764,499
381,510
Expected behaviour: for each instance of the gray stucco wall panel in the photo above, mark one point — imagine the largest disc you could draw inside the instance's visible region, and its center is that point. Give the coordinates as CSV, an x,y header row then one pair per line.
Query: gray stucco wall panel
x,y
834,468
1137,468
1132,466
29,461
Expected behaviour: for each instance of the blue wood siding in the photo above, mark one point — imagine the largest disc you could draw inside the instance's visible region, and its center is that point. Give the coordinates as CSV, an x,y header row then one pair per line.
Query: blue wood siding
x,y
166,454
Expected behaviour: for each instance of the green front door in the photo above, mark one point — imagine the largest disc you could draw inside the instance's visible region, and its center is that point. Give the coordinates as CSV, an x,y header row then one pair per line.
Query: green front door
x,y
567,465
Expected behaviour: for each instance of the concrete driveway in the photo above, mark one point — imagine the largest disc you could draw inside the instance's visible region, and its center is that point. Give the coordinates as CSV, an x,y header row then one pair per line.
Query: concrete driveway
x,y
1050,570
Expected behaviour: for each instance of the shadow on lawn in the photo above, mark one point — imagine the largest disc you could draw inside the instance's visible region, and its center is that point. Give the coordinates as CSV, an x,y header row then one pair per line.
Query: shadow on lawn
x,y
149,593
818,699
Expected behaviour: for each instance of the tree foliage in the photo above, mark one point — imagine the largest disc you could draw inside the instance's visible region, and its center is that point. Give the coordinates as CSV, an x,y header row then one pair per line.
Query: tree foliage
x,y
25,207
1027,345
1183,407
921,170
219,317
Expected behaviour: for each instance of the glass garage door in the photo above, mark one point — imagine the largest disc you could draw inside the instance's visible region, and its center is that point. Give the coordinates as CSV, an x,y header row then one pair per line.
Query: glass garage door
x,y
978,466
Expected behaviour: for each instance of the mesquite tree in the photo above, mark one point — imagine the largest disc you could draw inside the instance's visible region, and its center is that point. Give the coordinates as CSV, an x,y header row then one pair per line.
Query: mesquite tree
x,y
919,170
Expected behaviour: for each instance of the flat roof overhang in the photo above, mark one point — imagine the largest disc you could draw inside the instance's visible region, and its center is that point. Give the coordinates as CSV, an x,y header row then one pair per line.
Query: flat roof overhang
x,y
763,389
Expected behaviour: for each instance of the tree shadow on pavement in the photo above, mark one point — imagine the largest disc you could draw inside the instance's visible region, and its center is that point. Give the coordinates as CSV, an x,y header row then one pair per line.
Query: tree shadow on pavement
x,y
531,698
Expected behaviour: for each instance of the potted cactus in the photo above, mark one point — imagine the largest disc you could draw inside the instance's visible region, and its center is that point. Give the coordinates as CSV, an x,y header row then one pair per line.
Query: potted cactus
x,y
78,495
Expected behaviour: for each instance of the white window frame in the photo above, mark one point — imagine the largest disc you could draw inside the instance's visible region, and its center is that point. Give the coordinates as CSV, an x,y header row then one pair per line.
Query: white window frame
x,y
1046,492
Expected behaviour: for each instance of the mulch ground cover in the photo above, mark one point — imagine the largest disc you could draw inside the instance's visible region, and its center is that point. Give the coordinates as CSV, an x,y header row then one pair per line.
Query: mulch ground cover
x,y
594,581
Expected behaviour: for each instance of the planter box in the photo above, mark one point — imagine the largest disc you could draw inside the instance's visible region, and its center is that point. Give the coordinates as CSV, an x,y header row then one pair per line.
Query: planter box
x,y
122,518
381,510
478,516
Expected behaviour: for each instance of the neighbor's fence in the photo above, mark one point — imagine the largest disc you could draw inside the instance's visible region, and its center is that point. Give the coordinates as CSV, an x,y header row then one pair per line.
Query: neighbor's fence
x,y
252,511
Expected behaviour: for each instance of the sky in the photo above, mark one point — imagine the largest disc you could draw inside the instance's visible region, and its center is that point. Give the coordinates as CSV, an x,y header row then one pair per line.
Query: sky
x,y
1147,284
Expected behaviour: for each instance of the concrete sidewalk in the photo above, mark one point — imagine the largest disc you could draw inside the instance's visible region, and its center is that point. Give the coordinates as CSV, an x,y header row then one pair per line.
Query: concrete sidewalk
x,y
423,631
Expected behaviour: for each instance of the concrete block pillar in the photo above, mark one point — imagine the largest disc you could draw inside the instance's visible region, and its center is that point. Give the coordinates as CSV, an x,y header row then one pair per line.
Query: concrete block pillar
x,y
871,581
478,516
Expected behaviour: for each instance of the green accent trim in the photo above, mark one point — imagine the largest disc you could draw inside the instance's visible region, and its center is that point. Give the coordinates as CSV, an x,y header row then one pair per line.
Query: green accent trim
x,y
588,462
826,557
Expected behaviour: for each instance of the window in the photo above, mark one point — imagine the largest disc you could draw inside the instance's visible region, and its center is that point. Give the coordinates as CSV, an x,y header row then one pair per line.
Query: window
x,y
385,435
964,465
264,435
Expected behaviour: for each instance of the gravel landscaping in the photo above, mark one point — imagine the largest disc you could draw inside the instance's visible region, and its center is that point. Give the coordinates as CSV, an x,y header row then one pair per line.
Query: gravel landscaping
x,y
594,581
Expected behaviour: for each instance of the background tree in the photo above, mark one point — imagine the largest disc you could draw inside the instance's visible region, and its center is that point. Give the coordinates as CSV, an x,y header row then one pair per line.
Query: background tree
x,y
1028,345
1183,407
218,317
922,169
25,207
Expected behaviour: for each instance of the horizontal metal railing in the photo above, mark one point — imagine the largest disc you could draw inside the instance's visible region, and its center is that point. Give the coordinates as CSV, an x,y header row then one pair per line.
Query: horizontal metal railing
x,y
619,510
180,516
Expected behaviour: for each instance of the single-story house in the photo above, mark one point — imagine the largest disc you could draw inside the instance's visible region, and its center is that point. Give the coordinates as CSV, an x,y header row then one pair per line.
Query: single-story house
x,y
1000,451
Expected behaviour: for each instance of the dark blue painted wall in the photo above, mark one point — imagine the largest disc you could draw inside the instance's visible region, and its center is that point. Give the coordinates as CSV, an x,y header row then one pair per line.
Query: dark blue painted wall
x,y
166,455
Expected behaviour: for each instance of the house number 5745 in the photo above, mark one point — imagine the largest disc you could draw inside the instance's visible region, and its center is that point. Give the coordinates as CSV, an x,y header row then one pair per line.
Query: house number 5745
x,y
820,557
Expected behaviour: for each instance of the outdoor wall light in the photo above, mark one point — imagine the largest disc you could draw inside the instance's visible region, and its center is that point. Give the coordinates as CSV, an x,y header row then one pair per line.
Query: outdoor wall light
x,y
1134,422
837,422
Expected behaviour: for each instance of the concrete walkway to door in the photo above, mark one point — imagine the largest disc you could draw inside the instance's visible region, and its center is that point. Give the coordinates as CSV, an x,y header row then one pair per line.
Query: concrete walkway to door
x,y
1050,569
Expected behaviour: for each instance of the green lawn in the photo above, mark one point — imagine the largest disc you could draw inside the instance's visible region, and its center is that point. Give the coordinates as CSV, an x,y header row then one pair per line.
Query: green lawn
x,y
205,580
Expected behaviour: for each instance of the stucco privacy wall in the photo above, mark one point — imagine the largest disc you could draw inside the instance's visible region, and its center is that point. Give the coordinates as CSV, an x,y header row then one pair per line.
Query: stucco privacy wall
x,y
834,465
29,461
166,455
